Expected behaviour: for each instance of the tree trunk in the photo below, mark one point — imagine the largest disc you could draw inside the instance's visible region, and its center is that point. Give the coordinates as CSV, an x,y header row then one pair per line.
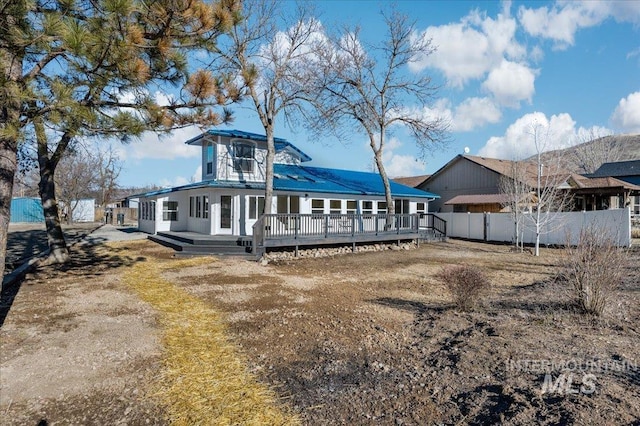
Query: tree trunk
x,y
8,167
10,104
58,251
387,189
268,186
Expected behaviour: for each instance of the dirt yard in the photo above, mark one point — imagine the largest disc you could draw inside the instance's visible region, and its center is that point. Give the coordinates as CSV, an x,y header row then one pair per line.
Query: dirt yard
x,y
359,339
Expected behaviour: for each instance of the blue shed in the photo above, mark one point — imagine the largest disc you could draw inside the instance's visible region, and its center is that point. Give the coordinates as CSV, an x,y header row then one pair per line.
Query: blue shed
x,y
25,209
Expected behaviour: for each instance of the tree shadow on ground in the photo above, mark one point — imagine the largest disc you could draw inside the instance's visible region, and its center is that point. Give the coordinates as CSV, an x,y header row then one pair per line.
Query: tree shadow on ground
x,y
23,245
88,259
409,305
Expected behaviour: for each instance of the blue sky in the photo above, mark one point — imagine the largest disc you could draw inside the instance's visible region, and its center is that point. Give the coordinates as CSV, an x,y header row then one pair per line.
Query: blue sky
x,y
573,66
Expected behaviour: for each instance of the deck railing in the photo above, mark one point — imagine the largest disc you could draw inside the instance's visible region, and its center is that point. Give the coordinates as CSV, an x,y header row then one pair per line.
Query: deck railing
x,y
295,229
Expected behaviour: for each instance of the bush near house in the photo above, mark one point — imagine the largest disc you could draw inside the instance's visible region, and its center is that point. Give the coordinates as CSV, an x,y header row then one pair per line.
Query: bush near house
x,y
466,283
594,268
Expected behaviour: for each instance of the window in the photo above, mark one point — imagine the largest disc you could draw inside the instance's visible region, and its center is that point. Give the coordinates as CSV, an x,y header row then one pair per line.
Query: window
x,y
401,206
367,207
205,206
152,205
288,204
243,157
256,207
209,158
192,204
335,206
170,210
421,207
198,207
352,206
317,206
382,207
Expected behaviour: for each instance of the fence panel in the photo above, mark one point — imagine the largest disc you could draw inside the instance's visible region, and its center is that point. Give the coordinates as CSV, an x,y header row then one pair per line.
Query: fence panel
x,y
555,230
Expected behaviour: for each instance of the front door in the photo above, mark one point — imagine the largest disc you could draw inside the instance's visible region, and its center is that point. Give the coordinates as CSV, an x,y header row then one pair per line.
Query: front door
x,y
226,214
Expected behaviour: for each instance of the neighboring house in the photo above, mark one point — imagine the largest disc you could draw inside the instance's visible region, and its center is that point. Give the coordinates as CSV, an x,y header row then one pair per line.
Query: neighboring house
x,y
627,171
470,183
464,176
230,197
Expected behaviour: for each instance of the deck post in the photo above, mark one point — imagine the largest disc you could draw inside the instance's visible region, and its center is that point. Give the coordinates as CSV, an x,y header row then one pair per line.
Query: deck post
x,y
296,254
326,225
353,225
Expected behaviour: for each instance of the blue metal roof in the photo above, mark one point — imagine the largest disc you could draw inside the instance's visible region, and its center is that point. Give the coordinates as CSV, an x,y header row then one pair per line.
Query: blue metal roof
x,y
280,144
296,178
335,181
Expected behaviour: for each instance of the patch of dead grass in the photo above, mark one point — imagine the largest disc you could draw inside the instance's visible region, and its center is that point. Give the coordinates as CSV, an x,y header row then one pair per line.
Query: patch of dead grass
x,y
205,378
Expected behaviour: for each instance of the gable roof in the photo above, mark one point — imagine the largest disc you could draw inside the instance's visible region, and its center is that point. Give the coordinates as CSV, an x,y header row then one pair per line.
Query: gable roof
x,y
412,181
504,168
617,169
296,178
280,144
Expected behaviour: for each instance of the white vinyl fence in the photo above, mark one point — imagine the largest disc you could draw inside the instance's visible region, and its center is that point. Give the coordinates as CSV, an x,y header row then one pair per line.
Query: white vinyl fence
x,y
500,227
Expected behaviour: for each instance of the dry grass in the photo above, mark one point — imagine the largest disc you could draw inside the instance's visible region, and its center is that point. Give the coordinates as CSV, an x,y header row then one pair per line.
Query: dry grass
x,y
205,378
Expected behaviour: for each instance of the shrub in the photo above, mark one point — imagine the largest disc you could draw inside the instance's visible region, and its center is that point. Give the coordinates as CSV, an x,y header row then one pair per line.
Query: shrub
x,y
594,268
467,285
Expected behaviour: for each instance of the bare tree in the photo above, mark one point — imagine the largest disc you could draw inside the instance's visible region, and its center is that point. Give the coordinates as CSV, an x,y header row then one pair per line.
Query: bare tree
x,y
517,189
592,149
359,92
552,194
274,65
86,172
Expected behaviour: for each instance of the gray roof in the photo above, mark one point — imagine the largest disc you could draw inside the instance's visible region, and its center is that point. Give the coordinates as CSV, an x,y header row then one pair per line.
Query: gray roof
x,y
619,168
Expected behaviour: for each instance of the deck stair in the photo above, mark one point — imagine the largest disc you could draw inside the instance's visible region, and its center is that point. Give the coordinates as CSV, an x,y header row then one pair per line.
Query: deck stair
x,y
194,244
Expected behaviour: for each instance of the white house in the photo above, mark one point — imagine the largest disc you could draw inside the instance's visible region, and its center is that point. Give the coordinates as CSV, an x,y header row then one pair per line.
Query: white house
x,y
230,197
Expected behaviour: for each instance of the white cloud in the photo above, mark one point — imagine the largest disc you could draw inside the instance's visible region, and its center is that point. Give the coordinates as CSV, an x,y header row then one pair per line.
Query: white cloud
x,y
627,114
472,47
470,114
181,180
156,146
511,83
197,175
518,141
561,21
177,181
397,165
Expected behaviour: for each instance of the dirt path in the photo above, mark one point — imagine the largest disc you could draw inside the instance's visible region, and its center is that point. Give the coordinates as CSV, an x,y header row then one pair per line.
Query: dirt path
x,y
77,348
358,339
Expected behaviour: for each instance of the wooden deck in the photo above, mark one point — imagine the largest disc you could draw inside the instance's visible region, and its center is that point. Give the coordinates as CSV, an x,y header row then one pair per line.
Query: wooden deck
x,y
303,230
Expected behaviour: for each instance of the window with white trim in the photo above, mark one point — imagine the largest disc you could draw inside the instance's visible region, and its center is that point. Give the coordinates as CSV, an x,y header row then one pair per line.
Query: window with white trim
x,y
205,207
198,206
335,206
209,153
367,207
352,206
382,207
317,206
256,206
243,157
192,206
170,210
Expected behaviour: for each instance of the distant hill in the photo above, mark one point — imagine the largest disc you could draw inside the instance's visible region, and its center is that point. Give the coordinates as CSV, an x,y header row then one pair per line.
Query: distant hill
x,y
588,156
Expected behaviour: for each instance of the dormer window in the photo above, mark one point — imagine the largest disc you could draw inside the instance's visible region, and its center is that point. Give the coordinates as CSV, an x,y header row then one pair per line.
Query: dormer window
x,y
243,157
